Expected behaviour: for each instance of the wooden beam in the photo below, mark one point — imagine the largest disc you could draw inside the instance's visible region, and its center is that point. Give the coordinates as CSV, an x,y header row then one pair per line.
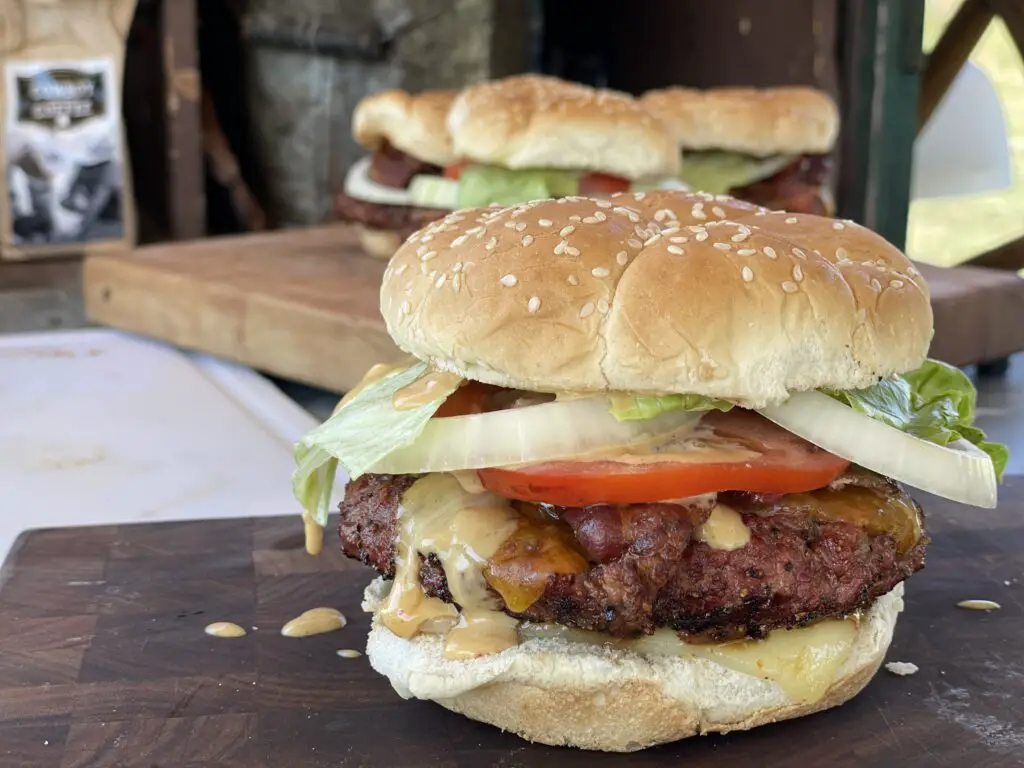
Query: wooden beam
x,y
186,199
1008,256
881,62
959,38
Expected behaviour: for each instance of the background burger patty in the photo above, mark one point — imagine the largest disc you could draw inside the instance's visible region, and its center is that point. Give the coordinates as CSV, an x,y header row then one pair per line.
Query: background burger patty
x,y
796,188
401,219
651,573
393,168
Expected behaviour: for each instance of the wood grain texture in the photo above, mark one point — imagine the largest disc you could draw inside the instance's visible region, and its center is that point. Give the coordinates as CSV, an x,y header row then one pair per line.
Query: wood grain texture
x,y
106,663
301,304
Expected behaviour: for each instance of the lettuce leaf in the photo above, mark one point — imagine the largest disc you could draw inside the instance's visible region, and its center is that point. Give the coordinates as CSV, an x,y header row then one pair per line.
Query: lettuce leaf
x,y
936,403
481,185
626,407
718,172
358,435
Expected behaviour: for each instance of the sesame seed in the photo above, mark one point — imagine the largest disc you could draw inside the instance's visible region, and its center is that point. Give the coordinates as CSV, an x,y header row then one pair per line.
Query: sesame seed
x,y
602,306
622,257
421,250
475,231
567,230
600,216
746,251
642,233
723,246
400,268
510,225
633,217
491,243
838,225
702,236
603,204
575,218
590,220
789,287
748,275
587,310
799,254
599,272
459,240
560,248
659,215
520,226
842,254
544,222
679,239
912,272
895,283
456,282
440,280
875,284
798,274
634,243
699,215
509,280
533,304
675,249
639,196
457,266
572,251
791,220
405,307
572,280
739,238
428,255
718,212
349,653
527,240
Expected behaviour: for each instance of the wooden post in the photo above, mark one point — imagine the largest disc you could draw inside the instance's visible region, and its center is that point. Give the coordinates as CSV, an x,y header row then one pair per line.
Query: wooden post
x,y
186,200
881,62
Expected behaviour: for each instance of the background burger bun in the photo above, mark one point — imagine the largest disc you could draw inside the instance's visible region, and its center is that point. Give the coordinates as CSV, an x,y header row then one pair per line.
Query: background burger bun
x,y
534,121
568,693
413,123
761,122
379,243
728,301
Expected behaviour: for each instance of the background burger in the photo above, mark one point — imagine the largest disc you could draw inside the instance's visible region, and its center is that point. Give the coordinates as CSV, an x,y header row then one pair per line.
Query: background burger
x,y
505,141
767,146
643,475
387,194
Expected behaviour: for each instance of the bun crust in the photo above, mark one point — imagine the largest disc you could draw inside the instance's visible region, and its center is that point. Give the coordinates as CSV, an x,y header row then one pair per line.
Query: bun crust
x,y
379,243
754,121
534,121
568,693
728,301
413,123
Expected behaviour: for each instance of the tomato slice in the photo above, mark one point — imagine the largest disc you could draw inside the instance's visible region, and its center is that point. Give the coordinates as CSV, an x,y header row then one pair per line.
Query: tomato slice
x,y
784,463
602,184
454,172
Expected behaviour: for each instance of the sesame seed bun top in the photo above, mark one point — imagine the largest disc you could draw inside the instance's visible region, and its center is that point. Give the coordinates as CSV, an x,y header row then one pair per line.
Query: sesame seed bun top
x,y
754,121
413,123
534,121
657,292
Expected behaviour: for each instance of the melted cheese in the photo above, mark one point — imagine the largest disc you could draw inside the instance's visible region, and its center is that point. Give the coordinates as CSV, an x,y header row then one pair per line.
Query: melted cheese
x,y
724,529
469,479
802,662
463,530
316,621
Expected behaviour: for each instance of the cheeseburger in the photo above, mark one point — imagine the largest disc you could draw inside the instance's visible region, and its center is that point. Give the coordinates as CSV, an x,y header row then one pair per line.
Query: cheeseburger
x,y
503,141
644,474
768,147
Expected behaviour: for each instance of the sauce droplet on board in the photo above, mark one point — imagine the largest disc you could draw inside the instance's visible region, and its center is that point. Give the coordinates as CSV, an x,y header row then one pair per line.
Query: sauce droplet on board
x,y
314,622
349,653
224,629
979,605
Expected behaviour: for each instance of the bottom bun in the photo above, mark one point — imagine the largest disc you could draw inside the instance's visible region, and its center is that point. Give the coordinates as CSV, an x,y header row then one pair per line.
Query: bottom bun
x,y
576,694
379,243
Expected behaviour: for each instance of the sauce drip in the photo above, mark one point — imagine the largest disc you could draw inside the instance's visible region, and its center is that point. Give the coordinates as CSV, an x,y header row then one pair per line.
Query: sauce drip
x,y
463,531
314,534
316,621
224,629
425,390
724,529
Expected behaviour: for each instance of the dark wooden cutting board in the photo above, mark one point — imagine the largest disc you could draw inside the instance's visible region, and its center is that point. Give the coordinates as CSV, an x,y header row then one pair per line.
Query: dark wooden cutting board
x,y
103,662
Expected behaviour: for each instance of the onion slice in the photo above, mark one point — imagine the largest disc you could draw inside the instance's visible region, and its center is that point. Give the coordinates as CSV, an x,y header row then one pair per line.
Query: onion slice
x,y
960,471
560,430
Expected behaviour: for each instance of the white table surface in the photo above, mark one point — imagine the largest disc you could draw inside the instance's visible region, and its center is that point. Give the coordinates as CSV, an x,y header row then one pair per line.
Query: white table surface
x,y
100,427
